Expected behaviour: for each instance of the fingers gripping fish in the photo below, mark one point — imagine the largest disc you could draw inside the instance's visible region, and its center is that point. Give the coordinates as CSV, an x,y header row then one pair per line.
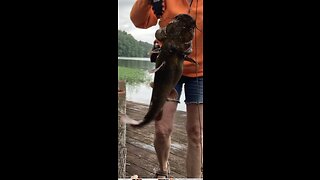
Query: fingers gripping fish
x,y
176,40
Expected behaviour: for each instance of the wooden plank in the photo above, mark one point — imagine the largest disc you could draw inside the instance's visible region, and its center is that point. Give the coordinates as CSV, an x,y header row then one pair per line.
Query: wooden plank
x,y
177,135
135,166
146,135
139,143
177,148
177,162
138,111
122,151
148,161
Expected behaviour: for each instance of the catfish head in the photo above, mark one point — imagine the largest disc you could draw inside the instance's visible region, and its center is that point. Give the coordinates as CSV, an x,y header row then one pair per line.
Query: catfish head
x,y
181,28
178,34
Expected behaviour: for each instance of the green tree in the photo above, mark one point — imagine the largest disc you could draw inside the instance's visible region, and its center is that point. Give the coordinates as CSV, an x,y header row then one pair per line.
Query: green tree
x,y
130,47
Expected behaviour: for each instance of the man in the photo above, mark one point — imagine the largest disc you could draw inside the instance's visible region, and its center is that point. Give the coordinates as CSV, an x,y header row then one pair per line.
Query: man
x,y
144,14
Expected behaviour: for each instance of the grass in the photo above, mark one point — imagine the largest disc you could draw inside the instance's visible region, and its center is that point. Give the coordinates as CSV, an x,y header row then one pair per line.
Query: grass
x,y
133,76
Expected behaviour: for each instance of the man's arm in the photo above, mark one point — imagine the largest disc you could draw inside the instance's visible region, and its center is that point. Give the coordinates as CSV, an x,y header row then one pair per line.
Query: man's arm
x,y
142,15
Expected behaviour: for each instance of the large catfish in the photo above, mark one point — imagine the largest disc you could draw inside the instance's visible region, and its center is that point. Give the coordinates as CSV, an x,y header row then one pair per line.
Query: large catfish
x,y
176,39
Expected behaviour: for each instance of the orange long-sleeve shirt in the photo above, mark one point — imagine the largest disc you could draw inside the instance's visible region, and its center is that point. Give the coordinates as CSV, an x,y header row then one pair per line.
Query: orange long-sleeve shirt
x,y
142,16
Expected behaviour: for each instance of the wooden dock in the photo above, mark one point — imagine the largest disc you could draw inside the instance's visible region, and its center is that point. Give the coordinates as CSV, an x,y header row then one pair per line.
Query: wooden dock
x,y
141,158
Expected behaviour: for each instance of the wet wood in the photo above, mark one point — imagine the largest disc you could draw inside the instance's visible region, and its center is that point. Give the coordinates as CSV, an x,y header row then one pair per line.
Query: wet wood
x,y
146,158
141,156
122,151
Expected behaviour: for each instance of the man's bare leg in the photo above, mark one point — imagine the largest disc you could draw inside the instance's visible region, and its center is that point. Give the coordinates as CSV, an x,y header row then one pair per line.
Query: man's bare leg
x,y
194,132
163,130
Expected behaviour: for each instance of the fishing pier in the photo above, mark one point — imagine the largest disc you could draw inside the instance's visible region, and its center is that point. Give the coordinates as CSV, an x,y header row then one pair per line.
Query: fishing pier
x,y
136,153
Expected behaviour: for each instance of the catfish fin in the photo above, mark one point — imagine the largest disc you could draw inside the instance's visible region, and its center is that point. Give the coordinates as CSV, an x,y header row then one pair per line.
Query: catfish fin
x,y
187,58
156,69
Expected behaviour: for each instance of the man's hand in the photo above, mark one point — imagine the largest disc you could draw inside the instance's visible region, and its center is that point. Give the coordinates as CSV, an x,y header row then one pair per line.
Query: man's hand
x,y
157,7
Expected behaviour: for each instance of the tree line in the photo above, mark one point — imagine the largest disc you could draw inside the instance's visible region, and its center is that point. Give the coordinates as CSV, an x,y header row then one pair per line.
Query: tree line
x,y
130,47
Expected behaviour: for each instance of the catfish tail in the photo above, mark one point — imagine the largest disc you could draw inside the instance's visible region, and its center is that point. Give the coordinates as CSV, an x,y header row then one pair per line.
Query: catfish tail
x,y
134,123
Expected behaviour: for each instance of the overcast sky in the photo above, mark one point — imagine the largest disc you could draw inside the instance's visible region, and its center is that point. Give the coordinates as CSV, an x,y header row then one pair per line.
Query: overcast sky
x,y
125,24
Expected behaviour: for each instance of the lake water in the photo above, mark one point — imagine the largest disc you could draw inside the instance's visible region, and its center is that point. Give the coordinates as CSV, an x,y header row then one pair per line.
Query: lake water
x,y
142,92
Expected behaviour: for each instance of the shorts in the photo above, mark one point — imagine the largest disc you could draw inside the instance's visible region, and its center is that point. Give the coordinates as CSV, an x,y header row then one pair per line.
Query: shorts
x,y
193,89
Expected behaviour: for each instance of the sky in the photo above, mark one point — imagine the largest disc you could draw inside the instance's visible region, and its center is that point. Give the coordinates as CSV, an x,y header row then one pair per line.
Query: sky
x,y
125,24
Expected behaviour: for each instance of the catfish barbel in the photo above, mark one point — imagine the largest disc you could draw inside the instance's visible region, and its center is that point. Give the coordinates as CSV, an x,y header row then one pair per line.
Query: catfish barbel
x,y
176,39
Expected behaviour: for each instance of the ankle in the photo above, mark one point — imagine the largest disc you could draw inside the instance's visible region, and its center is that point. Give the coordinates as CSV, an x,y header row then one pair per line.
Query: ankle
x,y
163,171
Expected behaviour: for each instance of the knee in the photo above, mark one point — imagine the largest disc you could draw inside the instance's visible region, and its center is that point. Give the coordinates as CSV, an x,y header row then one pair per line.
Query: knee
x,y
194,135
163,133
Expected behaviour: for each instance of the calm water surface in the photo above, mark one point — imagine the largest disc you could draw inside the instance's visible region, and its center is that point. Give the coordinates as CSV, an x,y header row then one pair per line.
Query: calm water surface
x,y
142,92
